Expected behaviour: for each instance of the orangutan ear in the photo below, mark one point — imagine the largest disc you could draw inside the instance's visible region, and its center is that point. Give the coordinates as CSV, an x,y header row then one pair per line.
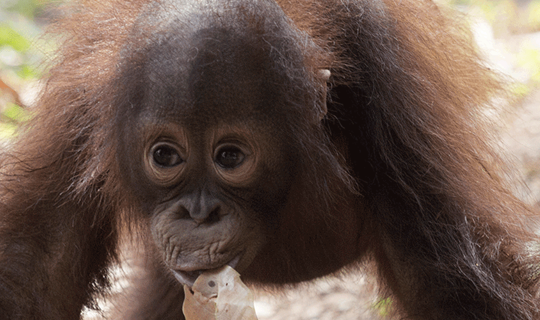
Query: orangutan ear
x,y
324,75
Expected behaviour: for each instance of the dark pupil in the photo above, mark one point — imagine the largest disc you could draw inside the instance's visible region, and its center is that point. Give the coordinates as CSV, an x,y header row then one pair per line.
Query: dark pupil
x,y
166,156
230,158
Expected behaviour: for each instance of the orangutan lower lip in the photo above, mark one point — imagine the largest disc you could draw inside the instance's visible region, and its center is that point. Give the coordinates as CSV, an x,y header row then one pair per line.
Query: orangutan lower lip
x,y
234,262
188,277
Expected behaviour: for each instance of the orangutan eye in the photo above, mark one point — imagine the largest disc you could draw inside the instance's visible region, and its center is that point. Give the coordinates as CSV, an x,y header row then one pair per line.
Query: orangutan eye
x,y
229,157
166,155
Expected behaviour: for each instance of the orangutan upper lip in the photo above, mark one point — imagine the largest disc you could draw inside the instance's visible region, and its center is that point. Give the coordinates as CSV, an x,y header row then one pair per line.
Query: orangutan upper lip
x,y
188,277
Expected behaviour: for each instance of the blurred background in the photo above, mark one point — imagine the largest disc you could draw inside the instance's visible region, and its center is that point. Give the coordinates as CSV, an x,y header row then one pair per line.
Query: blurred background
x,y
507,33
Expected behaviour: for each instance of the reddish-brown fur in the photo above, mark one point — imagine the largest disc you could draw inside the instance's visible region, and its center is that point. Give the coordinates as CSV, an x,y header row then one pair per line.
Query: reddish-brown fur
x,y
407,174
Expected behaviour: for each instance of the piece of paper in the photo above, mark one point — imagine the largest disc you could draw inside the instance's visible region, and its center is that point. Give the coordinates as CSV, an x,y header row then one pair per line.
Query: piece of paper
x,y
219,295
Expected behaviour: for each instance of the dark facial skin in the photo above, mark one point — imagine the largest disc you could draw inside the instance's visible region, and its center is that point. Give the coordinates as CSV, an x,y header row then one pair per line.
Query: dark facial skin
x,y
206,221
208,215
210,169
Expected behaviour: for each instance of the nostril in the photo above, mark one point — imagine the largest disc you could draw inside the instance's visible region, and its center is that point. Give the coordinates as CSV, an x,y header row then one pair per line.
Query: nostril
x,y
207,213
201,207
214,215
183,213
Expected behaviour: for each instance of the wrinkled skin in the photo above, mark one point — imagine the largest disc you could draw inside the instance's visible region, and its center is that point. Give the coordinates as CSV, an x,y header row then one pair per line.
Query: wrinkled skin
x,y
225,172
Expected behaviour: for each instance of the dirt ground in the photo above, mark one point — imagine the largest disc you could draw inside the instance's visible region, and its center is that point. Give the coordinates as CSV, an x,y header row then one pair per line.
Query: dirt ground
x,y
349,297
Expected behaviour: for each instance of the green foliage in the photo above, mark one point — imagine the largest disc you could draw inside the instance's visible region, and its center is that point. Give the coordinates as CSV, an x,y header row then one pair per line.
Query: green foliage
x,y
529,58
520,90
18,46
15,113
10,37
507,15
19,58
383,307
11,116
533,18
27,8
